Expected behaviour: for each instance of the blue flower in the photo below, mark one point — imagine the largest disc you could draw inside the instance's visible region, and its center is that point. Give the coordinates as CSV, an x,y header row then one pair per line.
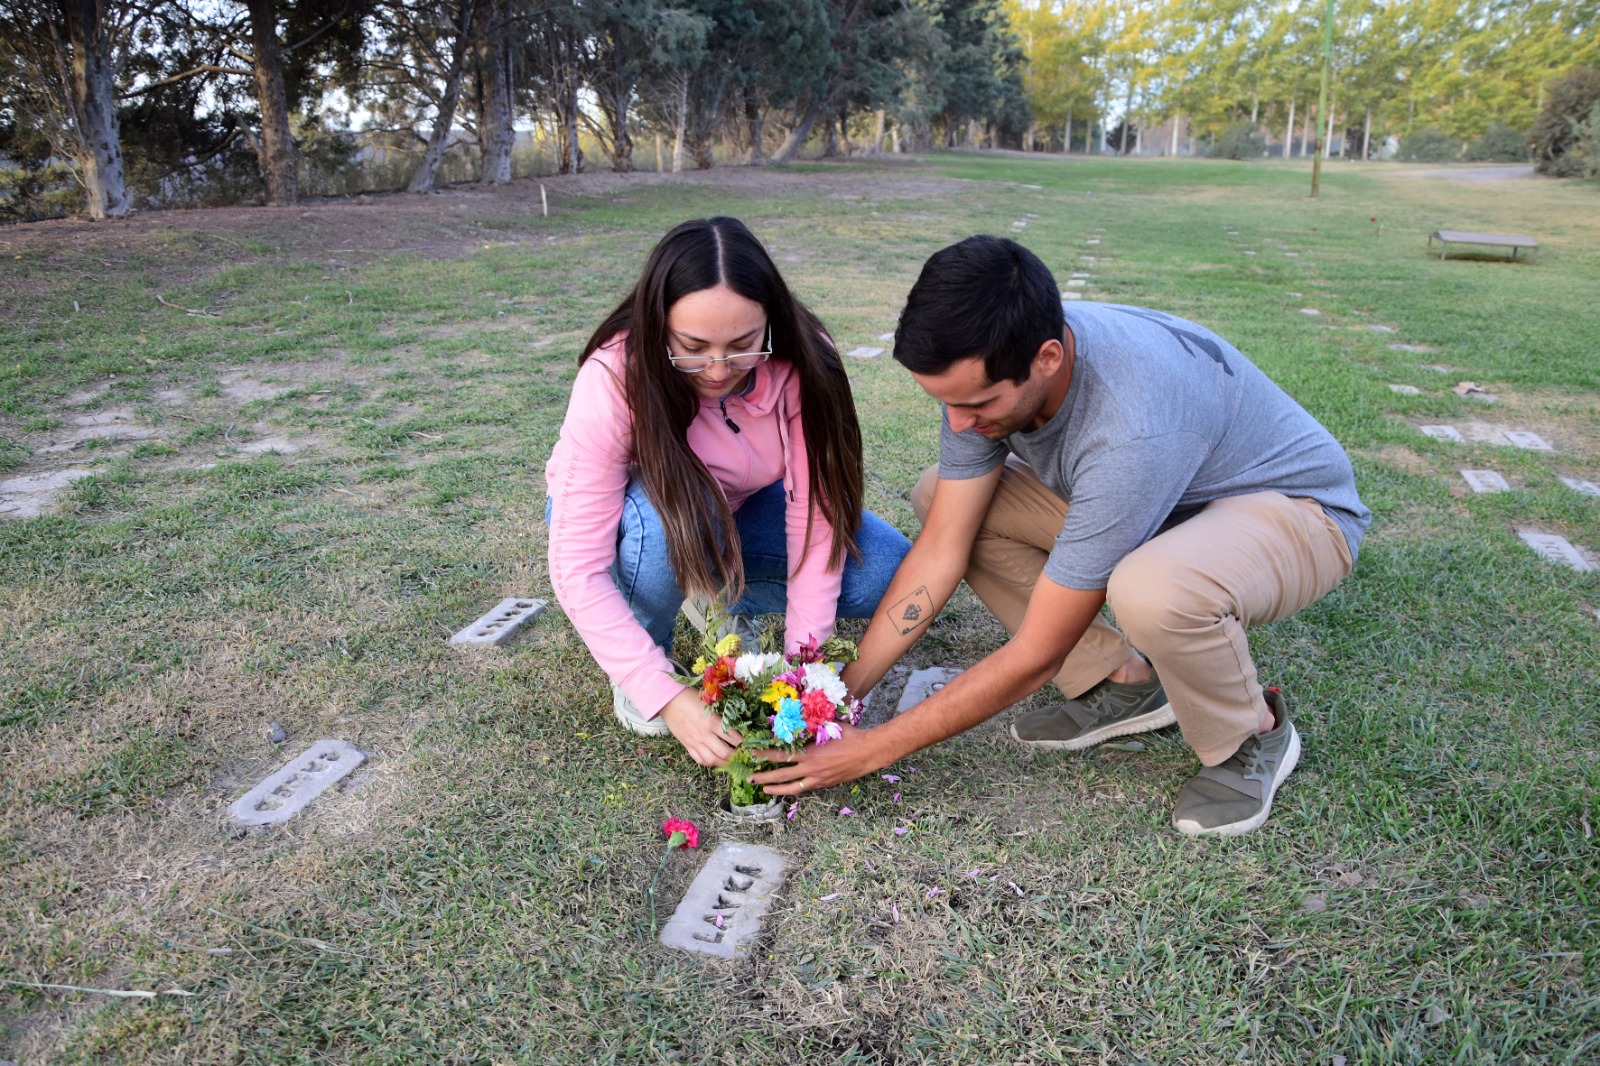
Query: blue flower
x,y
789,722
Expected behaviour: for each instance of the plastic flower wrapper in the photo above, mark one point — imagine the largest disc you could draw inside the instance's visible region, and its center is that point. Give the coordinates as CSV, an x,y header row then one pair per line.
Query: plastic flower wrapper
x,y
770,699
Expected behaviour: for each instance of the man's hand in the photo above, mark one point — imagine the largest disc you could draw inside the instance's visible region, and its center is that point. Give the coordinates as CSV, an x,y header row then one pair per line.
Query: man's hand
x,y
853,755
699,731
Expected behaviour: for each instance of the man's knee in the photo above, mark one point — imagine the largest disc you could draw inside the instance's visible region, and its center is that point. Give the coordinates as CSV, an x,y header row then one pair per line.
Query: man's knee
x,y
922,495
1146,595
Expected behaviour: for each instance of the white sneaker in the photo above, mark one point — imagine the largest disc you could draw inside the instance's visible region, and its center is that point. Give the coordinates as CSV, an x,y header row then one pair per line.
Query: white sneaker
x,y
631,718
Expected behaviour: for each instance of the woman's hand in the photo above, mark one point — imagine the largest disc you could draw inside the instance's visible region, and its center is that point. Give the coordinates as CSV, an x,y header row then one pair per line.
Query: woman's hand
x,y
698,730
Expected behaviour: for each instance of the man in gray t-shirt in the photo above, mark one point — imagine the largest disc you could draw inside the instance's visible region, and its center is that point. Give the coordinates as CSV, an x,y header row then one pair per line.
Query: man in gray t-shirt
x,y
1094,454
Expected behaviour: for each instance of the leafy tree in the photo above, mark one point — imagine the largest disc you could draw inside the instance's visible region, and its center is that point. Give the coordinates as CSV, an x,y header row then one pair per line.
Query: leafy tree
x,y
1562,140
1431,145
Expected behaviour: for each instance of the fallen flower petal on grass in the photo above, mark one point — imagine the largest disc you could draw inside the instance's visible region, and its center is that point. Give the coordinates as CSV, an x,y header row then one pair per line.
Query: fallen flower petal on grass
x,y
893,779
1013,884
792,808
844,811
719,919
901,830
897,797
894,908
934,891
830,897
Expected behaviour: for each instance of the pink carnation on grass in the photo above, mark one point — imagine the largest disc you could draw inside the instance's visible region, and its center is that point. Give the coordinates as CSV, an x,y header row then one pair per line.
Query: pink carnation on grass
x,y
690,831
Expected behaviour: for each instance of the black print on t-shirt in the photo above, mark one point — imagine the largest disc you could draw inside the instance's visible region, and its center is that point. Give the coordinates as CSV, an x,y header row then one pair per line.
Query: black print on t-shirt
x,y
1190,341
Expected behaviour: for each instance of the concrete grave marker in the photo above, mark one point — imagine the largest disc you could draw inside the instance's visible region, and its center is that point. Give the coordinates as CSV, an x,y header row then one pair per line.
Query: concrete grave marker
x,y
501,625
1588,488
1092,240
1292,255
922,684
1412,348
1087,258
1019,224
1450,433
1530,441
886,336
1309,311
1076,283
864,352
1248,252
1082,274
1072,295
1406,390
1555,549
721,913
32,495
1485,481
301,780
1374,327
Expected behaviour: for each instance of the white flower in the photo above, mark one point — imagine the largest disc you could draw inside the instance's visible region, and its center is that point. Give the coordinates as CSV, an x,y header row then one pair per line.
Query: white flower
x,y
820,677
753,664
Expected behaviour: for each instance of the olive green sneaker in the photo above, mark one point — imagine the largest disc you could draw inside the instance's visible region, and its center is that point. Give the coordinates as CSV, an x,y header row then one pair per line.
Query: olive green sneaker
x,y
1108,710
1236,796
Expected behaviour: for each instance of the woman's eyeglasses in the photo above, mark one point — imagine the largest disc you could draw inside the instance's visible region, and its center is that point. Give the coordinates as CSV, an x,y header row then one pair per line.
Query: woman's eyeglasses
x,y
696,364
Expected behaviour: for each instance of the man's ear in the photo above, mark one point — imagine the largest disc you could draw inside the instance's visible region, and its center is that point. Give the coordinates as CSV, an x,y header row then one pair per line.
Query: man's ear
x,y
1048,359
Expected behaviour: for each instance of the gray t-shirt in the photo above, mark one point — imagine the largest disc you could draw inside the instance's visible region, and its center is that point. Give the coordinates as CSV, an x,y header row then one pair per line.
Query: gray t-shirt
x,y
1162,417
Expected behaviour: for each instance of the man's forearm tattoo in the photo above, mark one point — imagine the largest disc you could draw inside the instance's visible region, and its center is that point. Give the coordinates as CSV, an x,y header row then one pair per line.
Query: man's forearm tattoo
x,y
913,611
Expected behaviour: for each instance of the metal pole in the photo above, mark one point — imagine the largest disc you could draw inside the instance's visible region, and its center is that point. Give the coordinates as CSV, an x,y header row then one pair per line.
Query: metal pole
x,y
1322,100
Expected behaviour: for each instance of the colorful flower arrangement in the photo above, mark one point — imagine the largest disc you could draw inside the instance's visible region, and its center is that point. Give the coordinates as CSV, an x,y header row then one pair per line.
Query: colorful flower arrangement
x,y
772,700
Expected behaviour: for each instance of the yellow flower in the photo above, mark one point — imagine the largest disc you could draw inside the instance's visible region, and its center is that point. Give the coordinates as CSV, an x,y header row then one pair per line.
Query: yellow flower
x,y
728,645
700,665
777,692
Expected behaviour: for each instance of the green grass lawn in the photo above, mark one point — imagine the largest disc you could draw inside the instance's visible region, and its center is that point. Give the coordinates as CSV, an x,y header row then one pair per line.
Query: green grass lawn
x,y
1427,890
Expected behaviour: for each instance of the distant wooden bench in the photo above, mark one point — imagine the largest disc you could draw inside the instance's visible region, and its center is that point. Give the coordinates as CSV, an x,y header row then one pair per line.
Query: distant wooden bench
x,y
1447,237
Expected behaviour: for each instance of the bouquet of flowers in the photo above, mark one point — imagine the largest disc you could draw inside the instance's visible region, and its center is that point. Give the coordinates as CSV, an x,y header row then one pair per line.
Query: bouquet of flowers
x,y
772,700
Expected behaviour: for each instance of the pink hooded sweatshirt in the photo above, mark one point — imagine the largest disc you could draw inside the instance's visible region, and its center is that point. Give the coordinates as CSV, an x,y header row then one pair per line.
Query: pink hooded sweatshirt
x,y
587,477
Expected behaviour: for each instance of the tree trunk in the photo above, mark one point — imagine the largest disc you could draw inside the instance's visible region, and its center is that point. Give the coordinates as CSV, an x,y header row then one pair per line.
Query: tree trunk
x,y
830,139
1308,136
753,124
567,111
1127,120
844,132
683,123
94,103
1066,135
1288,132
496,136
1366,136
797,136
877,140
279,163
1177,121
660,165
439,140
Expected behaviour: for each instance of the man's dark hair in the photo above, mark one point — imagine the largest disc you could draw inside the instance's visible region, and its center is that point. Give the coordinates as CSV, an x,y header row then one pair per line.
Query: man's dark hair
x,y
986,296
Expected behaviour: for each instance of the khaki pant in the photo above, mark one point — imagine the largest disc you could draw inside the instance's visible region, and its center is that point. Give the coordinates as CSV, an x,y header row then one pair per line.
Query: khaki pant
x,y
1183,598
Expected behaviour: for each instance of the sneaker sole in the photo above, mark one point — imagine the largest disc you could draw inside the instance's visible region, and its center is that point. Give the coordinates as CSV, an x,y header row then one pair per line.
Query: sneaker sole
x,y
1159,718
653,727
1291,759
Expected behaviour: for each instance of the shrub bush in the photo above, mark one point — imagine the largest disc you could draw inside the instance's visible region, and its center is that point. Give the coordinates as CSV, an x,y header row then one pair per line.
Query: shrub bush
x,y
1428,146
1563,143
1239,141
1499,144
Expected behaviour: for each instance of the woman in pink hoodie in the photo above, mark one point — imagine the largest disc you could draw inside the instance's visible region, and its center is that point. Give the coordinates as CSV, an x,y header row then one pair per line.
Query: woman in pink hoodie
x,y
710,447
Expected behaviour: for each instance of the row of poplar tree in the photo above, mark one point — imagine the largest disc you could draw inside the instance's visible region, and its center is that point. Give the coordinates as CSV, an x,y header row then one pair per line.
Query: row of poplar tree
x,y
162,87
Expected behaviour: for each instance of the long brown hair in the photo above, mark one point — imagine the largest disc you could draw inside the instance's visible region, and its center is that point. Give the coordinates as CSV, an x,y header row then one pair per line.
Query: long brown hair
x,y
702,539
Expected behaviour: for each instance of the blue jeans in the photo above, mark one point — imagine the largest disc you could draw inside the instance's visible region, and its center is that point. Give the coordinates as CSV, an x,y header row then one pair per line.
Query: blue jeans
x,y
644,573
